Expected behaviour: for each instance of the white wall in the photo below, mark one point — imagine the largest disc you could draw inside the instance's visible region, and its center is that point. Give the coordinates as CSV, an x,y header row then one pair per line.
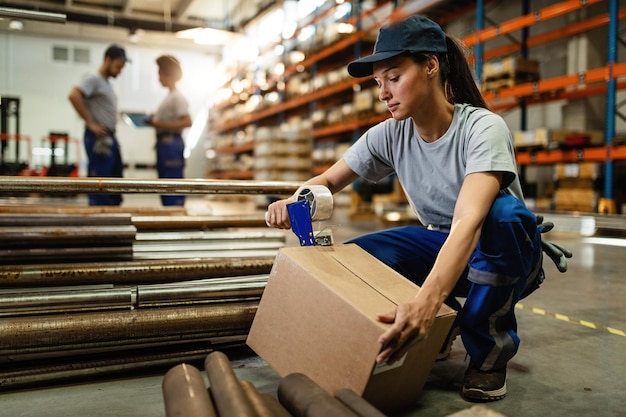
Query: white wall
x,y
27,71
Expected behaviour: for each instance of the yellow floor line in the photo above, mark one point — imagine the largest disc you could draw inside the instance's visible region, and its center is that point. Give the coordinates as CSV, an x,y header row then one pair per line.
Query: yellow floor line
x,y
563,317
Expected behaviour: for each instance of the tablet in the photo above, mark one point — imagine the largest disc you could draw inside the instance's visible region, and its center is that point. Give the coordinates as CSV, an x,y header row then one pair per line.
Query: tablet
x,y
136,119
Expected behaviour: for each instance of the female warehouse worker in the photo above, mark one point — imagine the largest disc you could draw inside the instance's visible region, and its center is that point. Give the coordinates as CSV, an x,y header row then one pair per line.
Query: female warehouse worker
x,y
170,119
456,163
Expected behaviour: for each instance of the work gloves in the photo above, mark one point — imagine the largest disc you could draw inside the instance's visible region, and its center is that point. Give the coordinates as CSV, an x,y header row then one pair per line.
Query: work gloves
x,y
556,252
103,146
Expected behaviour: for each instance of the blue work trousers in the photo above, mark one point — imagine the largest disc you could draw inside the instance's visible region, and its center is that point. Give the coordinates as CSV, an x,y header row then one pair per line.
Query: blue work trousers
x,y
504,267
170,150
103,165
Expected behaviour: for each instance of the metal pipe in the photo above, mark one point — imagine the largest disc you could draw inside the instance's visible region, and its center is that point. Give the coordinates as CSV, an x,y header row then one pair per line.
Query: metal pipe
x,y
50,236
41,220
197,222
52,332
63,300
57,301
131,272
357,404
137,185
32,15
41,255
264,405
100,362
151,296
184,393
303,397
226,391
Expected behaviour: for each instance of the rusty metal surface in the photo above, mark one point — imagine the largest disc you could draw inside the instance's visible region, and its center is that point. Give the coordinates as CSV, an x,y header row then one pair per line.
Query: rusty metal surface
x,y
34,219
184,393
131,272
51,236
197,222
12,184
26,256
53,332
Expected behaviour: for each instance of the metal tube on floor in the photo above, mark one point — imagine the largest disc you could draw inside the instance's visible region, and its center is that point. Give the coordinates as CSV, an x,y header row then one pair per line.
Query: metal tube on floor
x,y
184,393
304,398
53,332
226,391
262,403
131,272
357,404
138,185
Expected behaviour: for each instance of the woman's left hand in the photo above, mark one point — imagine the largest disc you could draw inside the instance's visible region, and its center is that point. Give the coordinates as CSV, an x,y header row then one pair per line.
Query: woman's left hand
x,y
411,323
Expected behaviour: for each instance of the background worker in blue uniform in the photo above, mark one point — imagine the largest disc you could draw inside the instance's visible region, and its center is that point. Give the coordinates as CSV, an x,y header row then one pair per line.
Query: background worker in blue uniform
x,y
456,163
170,119
96,103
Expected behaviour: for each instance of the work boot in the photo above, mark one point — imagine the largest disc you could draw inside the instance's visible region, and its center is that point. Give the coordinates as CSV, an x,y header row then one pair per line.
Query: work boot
x,y
484,386
444,352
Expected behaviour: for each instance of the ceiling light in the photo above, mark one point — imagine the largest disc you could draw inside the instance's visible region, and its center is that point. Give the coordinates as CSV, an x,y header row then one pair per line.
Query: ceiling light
x,y
16,25
208,36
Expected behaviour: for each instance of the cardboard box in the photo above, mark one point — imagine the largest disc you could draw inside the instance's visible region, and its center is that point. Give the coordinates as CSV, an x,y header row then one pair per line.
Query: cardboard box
x,y
318,316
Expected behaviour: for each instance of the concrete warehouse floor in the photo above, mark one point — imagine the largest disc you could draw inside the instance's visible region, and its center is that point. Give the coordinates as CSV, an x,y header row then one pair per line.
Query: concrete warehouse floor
x,y
571,362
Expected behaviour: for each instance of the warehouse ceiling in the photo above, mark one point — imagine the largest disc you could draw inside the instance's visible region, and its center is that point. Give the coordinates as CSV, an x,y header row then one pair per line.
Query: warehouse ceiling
x,y
152,21
159,15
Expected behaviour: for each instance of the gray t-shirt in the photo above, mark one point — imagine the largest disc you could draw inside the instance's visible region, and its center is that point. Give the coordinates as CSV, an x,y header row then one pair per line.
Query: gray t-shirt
x,y
432,173
172,108
100,99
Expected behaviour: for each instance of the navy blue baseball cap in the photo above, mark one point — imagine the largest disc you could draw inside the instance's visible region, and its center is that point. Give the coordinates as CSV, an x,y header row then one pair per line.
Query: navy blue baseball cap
x,y
413,34
116,52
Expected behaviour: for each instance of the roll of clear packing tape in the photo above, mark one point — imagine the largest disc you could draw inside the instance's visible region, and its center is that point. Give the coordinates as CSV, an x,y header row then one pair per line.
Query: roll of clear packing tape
x,y
320,201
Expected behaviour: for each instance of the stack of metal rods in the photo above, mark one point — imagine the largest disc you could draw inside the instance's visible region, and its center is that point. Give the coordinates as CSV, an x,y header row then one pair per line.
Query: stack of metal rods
x,y
191,284
35,238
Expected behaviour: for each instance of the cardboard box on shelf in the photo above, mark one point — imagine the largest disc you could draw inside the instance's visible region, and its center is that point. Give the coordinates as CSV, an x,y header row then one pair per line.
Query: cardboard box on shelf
x,y
580,170
557,138
318,316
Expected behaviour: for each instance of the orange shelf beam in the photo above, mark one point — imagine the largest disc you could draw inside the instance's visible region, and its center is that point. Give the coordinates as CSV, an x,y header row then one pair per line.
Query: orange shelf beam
x,y
347,126
228,150
591,76
530,19
563,32
597,154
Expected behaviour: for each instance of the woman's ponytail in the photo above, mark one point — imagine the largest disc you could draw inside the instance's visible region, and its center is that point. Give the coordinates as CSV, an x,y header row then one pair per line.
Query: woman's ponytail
x,y
456,75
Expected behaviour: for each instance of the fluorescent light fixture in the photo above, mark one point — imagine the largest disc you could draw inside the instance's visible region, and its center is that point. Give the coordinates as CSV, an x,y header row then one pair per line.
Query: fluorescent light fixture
x,y
208,36
16,24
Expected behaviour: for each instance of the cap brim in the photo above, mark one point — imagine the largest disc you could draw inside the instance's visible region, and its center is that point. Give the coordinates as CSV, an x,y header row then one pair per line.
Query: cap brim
x,y
364,67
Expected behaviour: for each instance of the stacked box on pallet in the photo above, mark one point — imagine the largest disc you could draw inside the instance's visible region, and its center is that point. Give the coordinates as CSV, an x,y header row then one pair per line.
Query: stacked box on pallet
x,y
509,71
576,190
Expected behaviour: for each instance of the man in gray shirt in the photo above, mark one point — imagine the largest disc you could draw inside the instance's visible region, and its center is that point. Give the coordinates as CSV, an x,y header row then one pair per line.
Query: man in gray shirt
x,y
96,103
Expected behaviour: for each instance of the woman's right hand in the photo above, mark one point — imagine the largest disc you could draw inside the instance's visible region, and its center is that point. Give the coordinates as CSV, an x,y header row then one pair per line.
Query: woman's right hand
x,y
277,215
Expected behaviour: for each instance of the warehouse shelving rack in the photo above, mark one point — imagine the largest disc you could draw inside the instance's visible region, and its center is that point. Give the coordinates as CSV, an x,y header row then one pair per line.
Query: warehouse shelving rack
x,y
596,81
604,80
